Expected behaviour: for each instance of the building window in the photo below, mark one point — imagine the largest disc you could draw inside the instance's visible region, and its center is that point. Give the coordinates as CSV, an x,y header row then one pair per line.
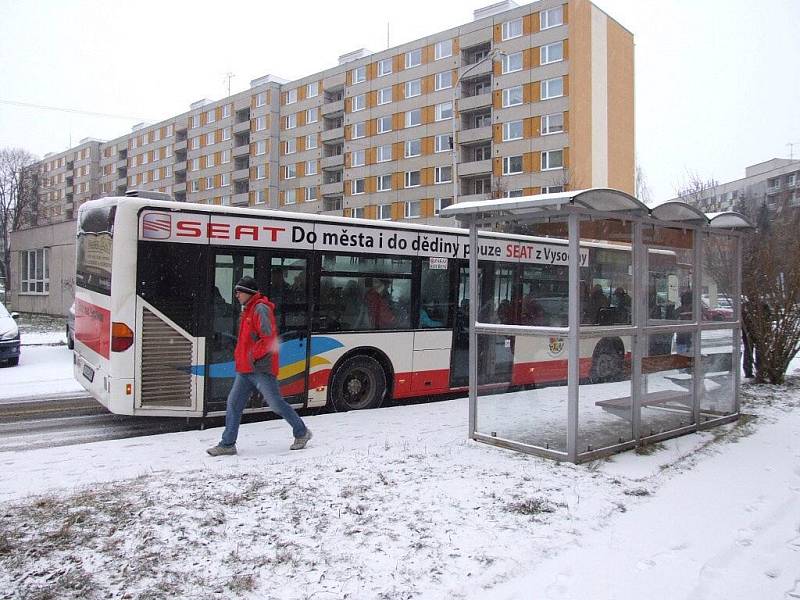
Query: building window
x,y
443,49
171,130
311,167
226,112
413,58
359,212
512,29
552,159
443,143
209,161
551,53
291,96
291,121
261,171
552,88
359,186
195,164
444,111
553,189
412,179
261,196
195,122
384,124
290,196
34,272
226,157
512,165
226,133
210,139
512,96
209,183
261,147
290,171
385,212
512,131
552,123
413,118
359,130
443,175
359,74
791,180
359,102
384,183
514,193
385,95
211,116
312,115
443,80
413,88
357,158
261,99
384,67
413,209
552,17
441,203
413,148
512,62
312,90
225,180
194,143
384,153
156,135
311,194
291,146
195,185
311,141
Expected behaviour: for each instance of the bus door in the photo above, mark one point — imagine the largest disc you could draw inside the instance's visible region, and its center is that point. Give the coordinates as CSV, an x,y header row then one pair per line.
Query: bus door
x,y
495,352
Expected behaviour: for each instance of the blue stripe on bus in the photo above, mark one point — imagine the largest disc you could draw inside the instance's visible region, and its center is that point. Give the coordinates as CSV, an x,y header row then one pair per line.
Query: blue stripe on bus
x,y
291,352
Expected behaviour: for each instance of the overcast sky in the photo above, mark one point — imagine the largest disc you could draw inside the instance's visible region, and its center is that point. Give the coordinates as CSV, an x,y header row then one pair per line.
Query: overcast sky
x,y
717,81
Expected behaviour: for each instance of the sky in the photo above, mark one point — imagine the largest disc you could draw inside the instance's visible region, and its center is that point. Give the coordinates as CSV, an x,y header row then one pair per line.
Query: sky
x,y
717,81
397,503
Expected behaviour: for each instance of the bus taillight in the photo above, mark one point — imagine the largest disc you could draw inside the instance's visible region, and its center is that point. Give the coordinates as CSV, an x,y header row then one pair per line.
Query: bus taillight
x,y
121,337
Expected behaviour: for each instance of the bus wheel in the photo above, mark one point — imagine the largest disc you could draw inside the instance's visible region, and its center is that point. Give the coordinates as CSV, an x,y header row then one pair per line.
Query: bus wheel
x,y
607,364
359,383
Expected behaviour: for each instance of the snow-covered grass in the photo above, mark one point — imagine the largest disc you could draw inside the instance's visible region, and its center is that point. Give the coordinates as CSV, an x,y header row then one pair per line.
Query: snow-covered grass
x,y
397,503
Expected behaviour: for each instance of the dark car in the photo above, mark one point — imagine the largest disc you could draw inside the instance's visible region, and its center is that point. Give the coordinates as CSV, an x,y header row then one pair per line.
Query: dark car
x,y
719,313
71,327
9,337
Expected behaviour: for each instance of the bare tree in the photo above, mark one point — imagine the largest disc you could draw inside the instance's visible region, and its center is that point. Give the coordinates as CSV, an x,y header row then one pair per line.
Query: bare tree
x,y
695,189
20,181
642,190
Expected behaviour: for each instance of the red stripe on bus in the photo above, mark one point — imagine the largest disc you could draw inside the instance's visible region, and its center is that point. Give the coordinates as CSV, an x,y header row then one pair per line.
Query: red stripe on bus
x,y
93,327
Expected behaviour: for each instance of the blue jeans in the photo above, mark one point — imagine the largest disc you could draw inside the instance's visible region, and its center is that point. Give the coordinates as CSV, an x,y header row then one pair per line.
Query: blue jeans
x,y
244,385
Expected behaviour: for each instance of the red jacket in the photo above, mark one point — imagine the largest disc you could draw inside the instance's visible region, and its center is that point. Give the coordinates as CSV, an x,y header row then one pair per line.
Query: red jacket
x,y
257,347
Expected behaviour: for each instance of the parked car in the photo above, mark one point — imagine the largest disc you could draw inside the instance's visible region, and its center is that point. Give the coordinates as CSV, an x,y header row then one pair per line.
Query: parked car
x,y
9,337
71,327
720,313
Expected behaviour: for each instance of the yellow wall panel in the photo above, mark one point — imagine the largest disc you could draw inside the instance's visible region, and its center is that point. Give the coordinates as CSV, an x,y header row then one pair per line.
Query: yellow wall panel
x,y
497,167
398,211
426,176
371,211
426,207
427,145
528,23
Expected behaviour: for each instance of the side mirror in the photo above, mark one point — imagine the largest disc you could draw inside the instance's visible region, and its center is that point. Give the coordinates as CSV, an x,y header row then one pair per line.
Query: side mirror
x,y
15,315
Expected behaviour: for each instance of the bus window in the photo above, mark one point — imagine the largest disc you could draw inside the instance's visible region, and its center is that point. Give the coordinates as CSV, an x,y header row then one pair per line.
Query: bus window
x,y
545,297
434,310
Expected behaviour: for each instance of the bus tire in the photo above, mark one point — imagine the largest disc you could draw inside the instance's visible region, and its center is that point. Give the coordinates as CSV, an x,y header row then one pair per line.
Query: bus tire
x,y
608,362
359,383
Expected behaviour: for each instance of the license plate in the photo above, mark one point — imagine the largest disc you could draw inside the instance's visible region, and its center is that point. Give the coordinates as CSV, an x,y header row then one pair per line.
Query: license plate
x,y
88,372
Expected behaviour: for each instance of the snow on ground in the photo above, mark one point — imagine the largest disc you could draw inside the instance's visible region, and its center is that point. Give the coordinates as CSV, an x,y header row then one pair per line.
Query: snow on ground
x,y
45,367
397,503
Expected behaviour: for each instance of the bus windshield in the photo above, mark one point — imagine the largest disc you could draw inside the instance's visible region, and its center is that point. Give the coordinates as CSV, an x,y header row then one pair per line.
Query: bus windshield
x,y
94,248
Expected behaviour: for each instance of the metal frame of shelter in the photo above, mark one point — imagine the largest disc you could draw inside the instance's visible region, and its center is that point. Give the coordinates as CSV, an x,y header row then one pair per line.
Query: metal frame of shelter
x,y
604,204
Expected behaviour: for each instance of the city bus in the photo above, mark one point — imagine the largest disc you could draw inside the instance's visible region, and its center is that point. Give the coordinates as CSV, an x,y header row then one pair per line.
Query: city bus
x,y
368,311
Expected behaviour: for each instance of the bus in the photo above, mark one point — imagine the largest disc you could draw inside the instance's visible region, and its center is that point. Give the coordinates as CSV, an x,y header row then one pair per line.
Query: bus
x,y
368,311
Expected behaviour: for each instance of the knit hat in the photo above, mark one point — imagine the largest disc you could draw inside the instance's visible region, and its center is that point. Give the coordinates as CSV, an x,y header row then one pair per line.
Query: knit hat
x,y
247,285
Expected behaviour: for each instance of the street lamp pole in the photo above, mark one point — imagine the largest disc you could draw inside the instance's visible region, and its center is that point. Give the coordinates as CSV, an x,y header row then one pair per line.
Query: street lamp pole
x,y
491,56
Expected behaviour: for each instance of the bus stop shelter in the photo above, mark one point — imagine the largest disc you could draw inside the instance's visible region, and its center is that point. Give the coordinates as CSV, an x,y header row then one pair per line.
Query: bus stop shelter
x,y
635,335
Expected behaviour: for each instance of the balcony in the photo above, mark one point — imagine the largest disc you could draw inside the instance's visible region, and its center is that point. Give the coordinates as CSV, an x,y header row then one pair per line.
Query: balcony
x,y
337,133
476,167
485,68
332,162
241,150
121,182
241,127
331,189
179,188
240,199
180,167
477,134
181,145
241,174
473,197
332,108
474,102
334,81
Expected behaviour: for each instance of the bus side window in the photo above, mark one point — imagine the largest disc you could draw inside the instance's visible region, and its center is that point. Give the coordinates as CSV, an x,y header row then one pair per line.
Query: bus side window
x,y
434,297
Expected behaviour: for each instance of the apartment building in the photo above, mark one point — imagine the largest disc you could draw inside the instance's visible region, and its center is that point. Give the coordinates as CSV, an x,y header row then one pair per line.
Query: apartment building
x,y
775,182
523,99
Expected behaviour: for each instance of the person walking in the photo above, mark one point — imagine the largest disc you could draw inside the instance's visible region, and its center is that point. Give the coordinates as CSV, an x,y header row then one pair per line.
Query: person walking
x,y
256,363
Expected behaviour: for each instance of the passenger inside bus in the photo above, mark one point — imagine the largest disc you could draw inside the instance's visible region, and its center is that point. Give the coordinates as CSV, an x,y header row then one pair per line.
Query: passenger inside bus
x,y
354,311
378,302
427,311
596,304
532,311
